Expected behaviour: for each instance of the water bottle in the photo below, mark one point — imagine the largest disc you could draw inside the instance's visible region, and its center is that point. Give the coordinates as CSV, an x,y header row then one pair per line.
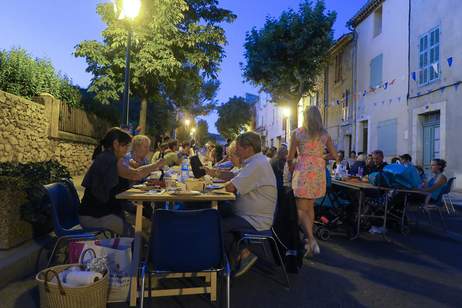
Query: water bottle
x,y
184,171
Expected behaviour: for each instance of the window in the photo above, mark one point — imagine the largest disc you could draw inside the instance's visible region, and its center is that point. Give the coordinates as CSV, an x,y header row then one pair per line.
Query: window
x,y
429,57
386,137
376,68
378,21
338,67
314,99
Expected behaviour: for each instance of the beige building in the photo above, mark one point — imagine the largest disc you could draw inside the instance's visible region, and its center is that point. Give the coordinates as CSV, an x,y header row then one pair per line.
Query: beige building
x,y
335,94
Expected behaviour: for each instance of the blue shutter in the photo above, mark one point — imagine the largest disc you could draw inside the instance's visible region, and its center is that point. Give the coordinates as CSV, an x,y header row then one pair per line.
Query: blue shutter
x,y
387,137
376,68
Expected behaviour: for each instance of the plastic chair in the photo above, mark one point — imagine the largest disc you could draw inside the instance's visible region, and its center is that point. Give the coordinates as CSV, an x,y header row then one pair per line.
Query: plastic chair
x,y
186,242
447,201
64,209
437,205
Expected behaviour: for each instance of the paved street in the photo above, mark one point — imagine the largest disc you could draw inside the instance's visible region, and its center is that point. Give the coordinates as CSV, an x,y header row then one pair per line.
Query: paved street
x,y
420,270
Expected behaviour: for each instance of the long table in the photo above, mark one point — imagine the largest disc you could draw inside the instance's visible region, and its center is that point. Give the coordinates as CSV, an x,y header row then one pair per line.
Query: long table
x,y
363,188
138,197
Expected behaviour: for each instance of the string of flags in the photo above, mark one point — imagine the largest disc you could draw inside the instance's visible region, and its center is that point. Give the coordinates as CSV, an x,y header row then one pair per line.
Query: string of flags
x,y
346,97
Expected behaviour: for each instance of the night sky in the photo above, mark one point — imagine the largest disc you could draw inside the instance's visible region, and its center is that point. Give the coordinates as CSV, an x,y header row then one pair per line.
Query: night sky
x,y
51,28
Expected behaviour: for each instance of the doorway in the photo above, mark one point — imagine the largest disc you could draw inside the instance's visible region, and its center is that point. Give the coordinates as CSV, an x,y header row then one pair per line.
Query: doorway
x,y
431,138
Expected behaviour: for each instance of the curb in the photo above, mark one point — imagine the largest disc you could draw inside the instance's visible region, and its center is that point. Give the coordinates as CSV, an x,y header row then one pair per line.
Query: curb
x,y
20,262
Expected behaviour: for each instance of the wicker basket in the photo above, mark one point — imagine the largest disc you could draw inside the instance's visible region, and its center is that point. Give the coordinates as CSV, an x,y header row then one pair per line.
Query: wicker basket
x,y
58,296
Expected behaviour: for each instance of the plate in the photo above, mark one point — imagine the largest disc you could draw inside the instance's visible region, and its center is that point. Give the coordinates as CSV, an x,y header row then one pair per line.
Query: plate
x,y
214,186
186,193
219,192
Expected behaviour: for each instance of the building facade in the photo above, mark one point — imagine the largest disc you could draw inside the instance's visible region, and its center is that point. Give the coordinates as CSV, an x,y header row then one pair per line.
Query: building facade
x,y
381,29
335,89
435,110
271,123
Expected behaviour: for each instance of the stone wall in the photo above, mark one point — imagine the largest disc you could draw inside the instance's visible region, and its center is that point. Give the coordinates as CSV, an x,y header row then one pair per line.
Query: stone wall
x,y
25,135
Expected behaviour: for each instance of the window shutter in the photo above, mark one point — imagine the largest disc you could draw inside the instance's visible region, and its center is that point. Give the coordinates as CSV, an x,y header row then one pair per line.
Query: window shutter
x,y
376,68
387,137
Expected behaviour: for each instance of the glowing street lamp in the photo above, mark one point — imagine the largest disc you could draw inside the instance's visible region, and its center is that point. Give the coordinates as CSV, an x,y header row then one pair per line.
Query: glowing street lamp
x,y
286,112
187,122
193,131
128,11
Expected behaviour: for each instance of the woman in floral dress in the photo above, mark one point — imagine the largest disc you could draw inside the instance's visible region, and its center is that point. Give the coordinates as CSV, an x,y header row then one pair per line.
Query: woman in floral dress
x,y
309,172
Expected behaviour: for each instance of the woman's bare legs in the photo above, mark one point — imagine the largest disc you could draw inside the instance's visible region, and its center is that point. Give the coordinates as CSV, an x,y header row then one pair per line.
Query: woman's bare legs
x,y
305,209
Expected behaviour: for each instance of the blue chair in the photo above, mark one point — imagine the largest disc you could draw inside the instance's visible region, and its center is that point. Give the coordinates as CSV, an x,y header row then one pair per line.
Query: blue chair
x,y
64,209
186,244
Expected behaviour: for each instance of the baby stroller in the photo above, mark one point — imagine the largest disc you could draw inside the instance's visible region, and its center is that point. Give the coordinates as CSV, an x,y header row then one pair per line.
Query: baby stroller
x,y
332,213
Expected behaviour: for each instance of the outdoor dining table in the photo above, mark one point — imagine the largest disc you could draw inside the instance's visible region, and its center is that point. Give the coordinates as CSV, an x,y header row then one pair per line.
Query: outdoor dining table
x,y
363,188
138,196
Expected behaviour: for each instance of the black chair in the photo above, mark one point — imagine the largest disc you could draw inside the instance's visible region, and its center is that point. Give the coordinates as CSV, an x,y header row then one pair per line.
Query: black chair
x,y
267,236
186,244
64,208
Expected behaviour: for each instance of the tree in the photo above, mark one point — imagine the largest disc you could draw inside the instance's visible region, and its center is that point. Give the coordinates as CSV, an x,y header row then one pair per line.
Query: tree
x,y
25,76
285,57
234,117
177,46
202,132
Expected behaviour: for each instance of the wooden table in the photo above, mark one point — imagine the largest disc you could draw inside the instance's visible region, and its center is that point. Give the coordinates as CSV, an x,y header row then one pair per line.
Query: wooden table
x,y
363,187
138,197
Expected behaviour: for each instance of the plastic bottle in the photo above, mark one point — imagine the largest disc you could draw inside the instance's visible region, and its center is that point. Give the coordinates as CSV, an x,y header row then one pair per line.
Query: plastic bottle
x,y
184,170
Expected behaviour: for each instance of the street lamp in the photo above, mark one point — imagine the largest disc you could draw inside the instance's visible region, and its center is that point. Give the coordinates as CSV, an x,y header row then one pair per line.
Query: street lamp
x,y
193,132
128,11
286,112
187,122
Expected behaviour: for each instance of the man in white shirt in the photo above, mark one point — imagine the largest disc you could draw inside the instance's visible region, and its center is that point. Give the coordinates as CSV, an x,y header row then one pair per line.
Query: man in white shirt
x,y
256,197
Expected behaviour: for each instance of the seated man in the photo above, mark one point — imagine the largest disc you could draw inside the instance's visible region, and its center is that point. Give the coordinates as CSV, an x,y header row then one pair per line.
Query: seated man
x,y
377,162
255,187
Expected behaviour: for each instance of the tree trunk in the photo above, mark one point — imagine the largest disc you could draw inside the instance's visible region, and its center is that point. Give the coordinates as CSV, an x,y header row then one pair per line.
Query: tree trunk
x,y
143,115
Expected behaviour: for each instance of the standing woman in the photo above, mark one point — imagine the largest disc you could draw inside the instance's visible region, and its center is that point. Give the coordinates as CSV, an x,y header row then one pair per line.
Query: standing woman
x,y
309,173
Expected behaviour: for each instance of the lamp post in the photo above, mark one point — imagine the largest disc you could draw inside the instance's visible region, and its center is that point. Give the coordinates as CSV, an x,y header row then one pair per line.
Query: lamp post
x,y
286,112
128,11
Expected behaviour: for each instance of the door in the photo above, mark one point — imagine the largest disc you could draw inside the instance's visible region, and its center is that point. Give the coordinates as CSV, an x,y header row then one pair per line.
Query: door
x,y
365,135
431,139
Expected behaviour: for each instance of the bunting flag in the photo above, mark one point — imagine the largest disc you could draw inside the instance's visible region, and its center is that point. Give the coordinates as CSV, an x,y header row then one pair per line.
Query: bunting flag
x,y
364,93
435,67
450,61
392,82
385,85
413,74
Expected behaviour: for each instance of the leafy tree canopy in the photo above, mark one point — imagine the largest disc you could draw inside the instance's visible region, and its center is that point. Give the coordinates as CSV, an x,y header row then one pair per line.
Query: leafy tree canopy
x,y
202,132
233,117
177,46
285,56
25,76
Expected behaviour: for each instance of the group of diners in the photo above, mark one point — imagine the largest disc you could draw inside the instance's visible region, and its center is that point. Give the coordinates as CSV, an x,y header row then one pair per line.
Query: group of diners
x,y
375,162
121,160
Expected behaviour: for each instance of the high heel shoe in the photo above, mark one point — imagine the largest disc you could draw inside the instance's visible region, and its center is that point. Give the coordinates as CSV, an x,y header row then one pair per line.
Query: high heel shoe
x,y
314,247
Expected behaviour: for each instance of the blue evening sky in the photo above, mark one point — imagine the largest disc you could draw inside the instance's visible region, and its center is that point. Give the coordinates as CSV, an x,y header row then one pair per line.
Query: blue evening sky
x,y
51,28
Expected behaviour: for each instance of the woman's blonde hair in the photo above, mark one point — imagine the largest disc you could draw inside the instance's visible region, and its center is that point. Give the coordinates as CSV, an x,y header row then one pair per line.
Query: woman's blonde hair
x,y
313,122
139,140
